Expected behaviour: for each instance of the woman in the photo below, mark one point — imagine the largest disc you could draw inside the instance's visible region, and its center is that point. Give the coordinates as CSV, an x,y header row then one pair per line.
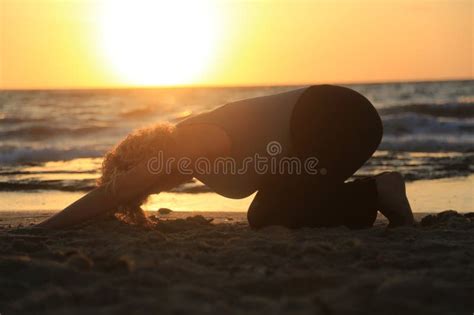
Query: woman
x,y
334,127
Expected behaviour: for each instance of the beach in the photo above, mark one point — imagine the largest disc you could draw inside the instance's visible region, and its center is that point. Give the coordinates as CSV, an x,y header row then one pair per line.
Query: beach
x,y
212,262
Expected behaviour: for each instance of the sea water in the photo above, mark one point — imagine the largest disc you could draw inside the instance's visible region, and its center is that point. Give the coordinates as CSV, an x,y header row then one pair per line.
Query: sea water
x,y
52,141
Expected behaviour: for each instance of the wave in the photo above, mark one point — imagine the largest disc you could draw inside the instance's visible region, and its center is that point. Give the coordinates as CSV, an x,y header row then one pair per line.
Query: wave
x,y
61,185
455,110
12,155
409,123
415,127
83,185
42,132
427,143
422,165
429,127
18,120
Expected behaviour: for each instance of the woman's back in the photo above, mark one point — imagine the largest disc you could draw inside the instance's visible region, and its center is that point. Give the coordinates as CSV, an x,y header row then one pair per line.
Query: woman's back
x,y
251,125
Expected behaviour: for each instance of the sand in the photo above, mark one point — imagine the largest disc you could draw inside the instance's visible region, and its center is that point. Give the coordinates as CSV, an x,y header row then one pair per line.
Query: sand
x,y
194,266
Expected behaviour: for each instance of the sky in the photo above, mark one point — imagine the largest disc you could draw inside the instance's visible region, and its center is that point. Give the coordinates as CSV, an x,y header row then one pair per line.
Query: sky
x,y
119,43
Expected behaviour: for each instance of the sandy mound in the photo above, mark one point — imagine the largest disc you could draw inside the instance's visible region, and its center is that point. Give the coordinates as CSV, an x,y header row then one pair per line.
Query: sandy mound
x,y
195,266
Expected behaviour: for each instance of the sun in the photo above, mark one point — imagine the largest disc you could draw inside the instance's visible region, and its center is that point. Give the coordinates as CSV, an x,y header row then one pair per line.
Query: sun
x,y
154,42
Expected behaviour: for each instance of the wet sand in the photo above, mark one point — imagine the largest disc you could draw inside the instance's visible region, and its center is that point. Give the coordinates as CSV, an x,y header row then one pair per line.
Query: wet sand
x,y
187,264
433,195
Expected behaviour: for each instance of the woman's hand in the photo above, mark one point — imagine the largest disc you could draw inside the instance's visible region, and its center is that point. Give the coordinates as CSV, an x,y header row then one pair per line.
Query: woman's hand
x,y
103,199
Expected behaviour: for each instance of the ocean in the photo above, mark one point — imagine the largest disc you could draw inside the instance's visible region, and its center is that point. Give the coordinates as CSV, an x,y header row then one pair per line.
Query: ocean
x,y
52,140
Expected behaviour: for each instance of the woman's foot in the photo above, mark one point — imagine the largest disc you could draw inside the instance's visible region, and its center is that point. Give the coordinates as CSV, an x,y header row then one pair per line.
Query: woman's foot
x,y
392,199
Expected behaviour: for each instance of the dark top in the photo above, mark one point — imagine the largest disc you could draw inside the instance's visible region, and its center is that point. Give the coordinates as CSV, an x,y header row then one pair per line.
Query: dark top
x,y
253,125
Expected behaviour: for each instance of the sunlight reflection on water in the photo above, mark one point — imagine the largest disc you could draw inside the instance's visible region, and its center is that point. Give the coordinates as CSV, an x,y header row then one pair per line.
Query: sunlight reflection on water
x,y
425,196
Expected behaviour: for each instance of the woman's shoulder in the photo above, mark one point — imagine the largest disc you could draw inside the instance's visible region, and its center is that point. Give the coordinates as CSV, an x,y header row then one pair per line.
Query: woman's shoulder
x,y
202,140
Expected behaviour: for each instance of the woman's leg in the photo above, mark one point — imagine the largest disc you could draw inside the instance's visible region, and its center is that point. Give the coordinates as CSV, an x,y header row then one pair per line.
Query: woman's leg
x,y
342,130
295,204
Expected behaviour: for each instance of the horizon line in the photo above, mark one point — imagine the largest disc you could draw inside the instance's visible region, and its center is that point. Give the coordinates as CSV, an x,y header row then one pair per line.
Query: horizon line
x,y
216,86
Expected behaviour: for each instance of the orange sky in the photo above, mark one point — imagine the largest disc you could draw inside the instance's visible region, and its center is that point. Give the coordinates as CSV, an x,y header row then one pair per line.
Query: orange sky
x,y
87,43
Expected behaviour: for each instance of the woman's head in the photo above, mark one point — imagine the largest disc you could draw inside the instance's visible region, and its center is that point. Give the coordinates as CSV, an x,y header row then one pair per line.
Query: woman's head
x,y
135,148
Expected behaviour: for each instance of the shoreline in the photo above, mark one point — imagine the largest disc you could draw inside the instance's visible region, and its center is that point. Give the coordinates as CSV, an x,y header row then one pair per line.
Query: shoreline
x,y
426,196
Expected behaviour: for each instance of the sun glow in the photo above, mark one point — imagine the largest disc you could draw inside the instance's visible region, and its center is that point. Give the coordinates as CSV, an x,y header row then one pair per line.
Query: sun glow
x,y
158,42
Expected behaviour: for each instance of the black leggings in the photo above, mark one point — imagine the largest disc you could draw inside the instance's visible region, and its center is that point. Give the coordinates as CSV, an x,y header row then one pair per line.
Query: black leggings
x,y
342,129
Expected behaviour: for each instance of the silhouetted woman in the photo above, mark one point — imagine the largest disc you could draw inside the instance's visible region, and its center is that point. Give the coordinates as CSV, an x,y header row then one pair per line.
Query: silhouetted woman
x,y
334,128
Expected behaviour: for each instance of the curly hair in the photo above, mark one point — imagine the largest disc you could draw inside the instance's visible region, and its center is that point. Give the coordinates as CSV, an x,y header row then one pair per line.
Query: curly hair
x,y
135,148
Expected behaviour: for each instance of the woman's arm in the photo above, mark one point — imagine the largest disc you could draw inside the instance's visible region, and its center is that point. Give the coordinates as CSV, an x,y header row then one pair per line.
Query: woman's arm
x,y
191,142
101,200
